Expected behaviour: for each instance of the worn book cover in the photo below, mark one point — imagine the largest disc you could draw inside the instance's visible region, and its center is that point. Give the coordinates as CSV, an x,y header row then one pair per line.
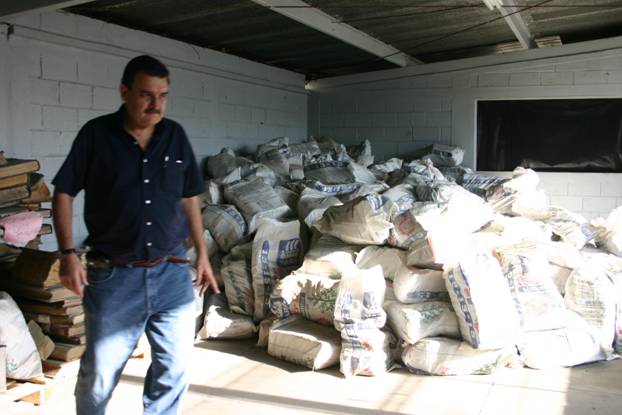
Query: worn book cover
x,y
49,294
79,339
12,181
50,319
67,352
13,194
66,330
12,167
55,309
39,268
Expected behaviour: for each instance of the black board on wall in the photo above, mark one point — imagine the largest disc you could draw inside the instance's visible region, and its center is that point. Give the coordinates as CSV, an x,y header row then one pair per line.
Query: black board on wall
x,y
577,135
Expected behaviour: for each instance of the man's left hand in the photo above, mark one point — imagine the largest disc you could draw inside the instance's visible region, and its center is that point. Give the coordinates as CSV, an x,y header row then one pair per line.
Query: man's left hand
x,y
205,276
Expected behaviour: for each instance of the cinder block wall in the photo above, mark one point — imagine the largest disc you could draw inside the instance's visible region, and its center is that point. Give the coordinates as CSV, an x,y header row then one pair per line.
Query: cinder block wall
x,y
405,109
58,70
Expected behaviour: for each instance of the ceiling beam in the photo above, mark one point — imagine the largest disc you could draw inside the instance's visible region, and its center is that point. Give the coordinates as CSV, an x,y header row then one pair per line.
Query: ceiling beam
x,y
315,18
14,7
513,18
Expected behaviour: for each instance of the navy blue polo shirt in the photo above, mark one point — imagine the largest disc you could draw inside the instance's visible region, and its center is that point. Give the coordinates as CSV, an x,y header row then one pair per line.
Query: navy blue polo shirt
x,y
132,198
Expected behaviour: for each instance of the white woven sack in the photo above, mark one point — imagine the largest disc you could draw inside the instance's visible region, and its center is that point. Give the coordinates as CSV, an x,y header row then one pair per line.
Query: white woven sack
x,y
304,342
277,251
538,302
445,357
237,278
414,285
360,298
225,224
575,344
256,200
367,356
311,296
22,358
363,221
413,322
220,323
329,256
481,298
591,293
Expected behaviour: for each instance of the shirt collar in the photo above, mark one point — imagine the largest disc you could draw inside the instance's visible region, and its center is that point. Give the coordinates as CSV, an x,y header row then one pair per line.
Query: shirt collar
x,y
119,116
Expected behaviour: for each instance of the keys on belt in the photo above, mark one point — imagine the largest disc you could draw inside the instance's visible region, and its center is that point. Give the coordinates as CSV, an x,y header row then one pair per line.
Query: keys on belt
x,y
97,260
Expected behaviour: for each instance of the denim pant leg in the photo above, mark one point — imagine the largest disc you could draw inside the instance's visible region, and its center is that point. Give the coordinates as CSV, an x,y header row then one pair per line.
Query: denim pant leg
x,y
115,316
170,330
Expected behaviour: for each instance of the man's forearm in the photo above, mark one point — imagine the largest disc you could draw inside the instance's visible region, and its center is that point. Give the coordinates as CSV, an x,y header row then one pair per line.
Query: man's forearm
x,y
195,223
62,213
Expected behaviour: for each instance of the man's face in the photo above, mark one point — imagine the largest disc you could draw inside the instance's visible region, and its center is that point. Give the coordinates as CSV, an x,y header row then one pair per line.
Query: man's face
x,y
145,101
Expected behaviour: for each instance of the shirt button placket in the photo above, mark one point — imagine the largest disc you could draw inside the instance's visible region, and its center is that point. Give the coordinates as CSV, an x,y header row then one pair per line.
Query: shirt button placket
x,y
147,194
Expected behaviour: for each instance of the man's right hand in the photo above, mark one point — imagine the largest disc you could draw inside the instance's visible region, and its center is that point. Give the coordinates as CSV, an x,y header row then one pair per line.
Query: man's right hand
x,y
72,273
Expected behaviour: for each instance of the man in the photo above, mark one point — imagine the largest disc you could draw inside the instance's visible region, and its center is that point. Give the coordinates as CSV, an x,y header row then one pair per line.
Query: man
x,y
140,181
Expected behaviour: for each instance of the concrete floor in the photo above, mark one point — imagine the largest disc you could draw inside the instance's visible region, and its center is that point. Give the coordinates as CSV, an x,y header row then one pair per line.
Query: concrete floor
x,y
234,377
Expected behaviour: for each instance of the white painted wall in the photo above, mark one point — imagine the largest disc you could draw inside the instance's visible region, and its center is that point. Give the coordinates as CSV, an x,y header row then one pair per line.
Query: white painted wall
x,y
404,109
59,70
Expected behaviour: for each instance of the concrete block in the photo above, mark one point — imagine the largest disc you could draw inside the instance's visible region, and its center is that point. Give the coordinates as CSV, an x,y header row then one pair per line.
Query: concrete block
x,y
411,119
399,105
75,95
275,117
106,99
178,105
226,112
342,104
93,70
371,105
60,119
525,79
439,81
364,133
590,77
296,134
553,188
573,203
493,79
45,143
428,134
66,140
33,60
258,115
384,120
204,107
44,92
249,130
557,78
615,77
583,188
438,119
243,114
267,132
60,66
611,188
599,204
398,134
357,120
446,135
34,116
425,105
86,115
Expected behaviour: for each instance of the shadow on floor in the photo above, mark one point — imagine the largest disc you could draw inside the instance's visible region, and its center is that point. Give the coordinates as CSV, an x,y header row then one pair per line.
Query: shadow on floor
x,y
295,404
248,350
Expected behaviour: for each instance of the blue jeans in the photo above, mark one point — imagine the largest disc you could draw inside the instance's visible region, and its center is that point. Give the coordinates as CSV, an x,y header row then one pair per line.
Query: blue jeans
x,y
120,303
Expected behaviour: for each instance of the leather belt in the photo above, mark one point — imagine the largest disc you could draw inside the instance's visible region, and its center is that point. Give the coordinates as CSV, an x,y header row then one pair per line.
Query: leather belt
x,y
97,260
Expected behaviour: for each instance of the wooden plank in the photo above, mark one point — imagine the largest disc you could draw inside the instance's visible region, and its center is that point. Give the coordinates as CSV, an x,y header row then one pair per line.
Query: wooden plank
x,y
19,391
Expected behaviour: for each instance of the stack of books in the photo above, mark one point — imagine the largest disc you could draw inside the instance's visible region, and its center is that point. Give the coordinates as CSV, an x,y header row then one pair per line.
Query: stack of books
x,y
35,285
22,190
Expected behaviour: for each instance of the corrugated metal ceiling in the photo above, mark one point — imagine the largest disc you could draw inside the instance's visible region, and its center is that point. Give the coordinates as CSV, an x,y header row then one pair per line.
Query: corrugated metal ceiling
x,y
427,30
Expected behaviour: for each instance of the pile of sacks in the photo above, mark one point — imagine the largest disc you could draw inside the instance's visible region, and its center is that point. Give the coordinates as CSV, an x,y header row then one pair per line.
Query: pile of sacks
x,y
335,259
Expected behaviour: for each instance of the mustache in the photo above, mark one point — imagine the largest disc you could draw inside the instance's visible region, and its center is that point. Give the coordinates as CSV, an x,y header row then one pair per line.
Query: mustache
x,y
152,111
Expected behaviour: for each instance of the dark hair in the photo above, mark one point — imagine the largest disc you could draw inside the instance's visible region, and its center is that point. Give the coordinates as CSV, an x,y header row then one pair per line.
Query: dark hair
x,y
146,64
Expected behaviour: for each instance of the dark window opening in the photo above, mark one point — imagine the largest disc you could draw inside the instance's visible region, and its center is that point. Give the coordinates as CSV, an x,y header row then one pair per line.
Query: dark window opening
x,y
572,135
